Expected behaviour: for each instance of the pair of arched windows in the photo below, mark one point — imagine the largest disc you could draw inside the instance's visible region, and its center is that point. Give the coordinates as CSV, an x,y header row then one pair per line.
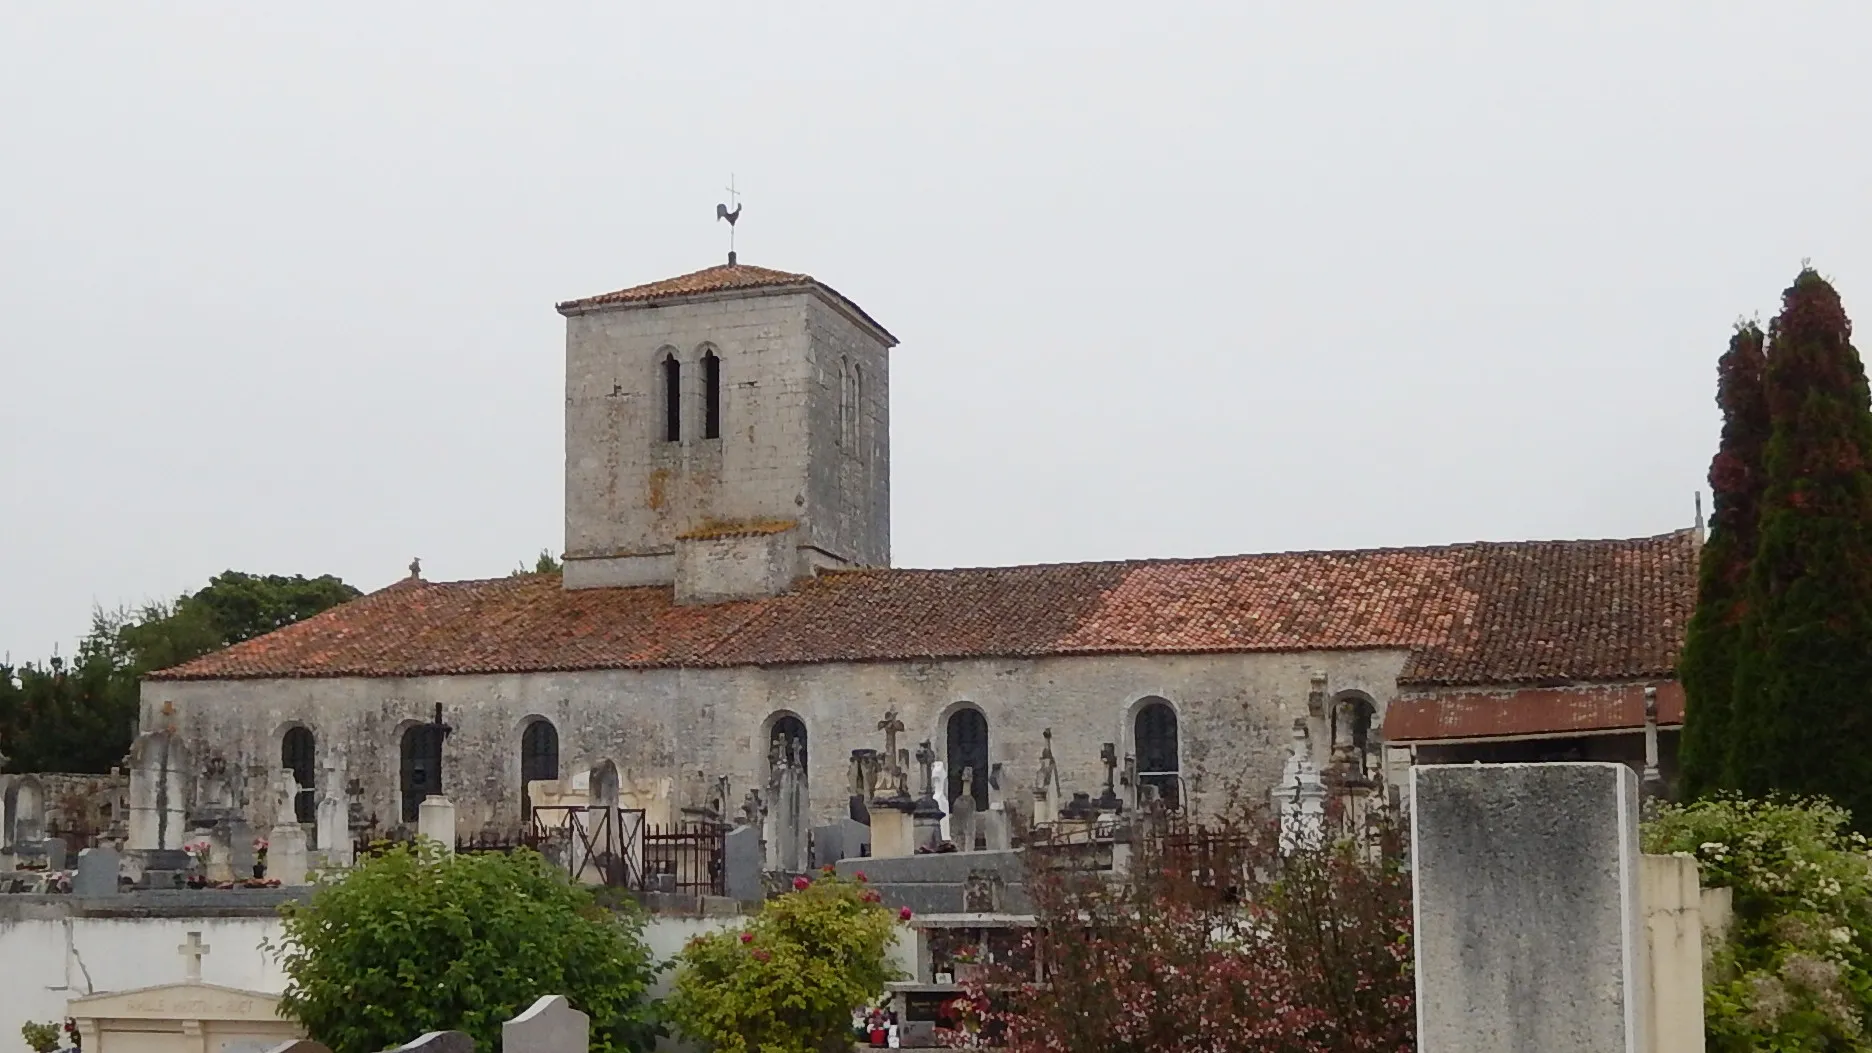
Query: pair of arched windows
x,y
673,396
422,763
1154,742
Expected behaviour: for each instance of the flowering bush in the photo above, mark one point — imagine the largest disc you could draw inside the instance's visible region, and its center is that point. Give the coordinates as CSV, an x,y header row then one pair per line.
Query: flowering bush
x,y
1797,972
41,1038
789,982
1247,951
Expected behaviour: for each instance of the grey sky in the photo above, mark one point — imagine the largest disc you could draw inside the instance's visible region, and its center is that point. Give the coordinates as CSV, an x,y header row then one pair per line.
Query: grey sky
x,y
276,285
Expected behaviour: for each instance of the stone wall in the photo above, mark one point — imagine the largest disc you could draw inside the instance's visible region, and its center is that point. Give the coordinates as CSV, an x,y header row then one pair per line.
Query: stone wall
x,y
692,725
630,493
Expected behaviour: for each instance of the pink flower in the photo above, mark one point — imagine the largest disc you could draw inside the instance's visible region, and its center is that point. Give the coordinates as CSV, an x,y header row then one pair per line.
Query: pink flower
x,y
800,883
860,876
761,955
903,914
871,896
747,937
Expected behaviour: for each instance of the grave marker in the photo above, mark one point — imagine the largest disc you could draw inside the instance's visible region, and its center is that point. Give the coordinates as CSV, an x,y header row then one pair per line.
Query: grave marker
x,y
550,1025
1529,934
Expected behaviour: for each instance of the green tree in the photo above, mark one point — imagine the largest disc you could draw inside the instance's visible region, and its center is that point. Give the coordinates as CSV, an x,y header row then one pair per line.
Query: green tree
x,y
547,563
1803,697
1796,971
419,940
789,981
80,714
1707,668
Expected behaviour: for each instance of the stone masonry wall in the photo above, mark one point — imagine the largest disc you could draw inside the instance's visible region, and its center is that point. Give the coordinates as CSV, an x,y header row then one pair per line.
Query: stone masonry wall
x,y
848,474
630,492
692,725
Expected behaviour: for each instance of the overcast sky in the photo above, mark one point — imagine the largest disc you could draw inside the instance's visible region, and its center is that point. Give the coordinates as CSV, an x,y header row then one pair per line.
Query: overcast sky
x,y
276,284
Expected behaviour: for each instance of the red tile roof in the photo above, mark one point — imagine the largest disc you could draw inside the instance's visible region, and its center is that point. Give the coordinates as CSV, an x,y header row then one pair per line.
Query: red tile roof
x,y
709,281
1470,713
1486,613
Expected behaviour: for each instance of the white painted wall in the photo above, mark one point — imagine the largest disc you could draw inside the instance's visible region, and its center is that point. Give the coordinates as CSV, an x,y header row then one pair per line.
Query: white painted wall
x,y
45,962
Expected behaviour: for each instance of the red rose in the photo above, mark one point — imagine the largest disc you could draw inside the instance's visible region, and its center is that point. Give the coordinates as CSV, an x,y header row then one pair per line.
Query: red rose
x,y
903,914
800,883
761,955
860,876
747,937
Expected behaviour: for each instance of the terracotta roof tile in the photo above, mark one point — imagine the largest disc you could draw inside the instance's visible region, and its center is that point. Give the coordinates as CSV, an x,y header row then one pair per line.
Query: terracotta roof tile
x,y
722,278
1525,612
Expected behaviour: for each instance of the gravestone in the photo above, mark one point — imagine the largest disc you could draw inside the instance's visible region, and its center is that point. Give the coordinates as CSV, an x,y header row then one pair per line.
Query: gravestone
x,y
27,813
742,859
218,866
549,1025
840,839
439,1042
158,792
435,820
1529,935
333,831
287,858
54,848
242,855
98,870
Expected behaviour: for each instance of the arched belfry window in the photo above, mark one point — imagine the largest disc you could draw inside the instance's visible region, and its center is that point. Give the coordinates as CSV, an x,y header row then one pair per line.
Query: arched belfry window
x,y
539,759
1155,736
968,748
297,750
422,767
711,396
672,399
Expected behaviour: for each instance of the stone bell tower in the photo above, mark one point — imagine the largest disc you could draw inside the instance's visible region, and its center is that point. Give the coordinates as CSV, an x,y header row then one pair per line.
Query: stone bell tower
x,y
727,432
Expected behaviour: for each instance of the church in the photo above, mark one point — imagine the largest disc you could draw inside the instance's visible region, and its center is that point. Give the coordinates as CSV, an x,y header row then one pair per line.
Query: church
x,y
728,605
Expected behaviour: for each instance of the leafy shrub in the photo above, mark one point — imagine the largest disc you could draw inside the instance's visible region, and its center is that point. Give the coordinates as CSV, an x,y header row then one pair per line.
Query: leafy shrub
x,y
42,1038
789,981
420,940
1797,972
1224,945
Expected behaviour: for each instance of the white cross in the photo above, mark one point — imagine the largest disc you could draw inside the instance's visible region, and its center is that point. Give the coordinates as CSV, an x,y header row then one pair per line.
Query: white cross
x,y
193,951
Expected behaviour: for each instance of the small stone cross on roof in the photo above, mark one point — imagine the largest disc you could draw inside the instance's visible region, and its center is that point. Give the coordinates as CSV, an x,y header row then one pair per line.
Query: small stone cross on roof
x,y
193,951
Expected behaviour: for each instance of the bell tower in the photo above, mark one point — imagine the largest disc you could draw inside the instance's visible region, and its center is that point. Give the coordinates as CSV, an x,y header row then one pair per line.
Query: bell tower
x,y
727,431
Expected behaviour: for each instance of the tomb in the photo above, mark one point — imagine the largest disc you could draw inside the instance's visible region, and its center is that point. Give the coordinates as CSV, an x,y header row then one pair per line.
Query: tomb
x,y
186,1017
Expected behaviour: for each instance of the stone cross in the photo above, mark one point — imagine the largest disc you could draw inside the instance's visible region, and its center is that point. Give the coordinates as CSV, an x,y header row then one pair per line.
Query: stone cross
x,y
890,726
193,951
1049,769
927,758
1109,754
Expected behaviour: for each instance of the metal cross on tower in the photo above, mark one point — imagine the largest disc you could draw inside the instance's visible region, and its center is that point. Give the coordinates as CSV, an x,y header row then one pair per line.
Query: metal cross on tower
x,y
730,212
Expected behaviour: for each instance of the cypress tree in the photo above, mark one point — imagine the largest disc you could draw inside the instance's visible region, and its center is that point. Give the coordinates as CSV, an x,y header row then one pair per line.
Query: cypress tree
x,y
1802,708
1707,669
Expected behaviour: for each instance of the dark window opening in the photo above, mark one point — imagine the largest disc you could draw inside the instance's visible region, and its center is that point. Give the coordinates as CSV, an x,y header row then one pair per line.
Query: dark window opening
x,y
1156,739
422,767
539,759
672,399
296,753
789,738
968,748
711,396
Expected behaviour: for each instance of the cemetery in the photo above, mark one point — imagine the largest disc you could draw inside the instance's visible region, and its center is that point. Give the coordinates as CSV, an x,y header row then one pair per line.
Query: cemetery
x,y
1538,922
